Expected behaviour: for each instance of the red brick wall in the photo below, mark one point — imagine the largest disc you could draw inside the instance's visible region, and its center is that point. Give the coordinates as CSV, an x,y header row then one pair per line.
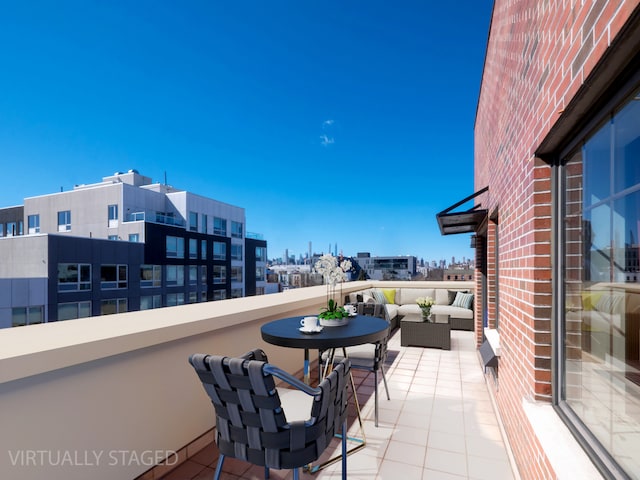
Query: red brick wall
x,y
538,55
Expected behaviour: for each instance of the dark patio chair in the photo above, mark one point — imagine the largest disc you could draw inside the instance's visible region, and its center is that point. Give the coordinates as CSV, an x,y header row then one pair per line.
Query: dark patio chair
x,y
275,428
369,357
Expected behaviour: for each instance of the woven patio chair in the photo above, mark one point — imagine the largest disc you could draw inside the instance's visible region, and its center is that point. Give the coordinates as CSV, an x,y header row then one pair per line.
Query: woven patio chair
x,y
369,357
279,428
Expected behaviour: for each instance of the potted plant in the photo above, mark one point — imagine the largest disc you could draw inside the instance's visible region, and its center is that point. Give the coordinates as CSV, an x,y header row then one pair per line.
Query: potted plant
x,y
333,273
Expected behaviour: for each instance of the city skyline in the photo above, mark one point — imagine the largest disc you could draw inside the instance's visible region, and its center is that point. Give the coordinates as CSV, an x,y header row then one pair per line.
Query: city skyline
x,y
335,123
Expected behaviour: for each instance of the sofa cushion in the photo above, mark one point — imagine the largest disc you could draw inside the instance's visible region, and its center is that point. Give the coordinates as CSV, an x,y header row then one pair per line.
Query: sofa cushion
x,y
442,297
452,295
409,309
391,310
405,296
378,295
389,295
453,312
463,300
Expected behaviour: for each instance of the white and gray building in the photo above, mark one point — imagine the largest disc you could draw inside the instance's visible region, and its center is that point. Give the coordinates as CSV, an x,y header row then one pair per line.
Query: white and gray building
x,y
122,244
388,268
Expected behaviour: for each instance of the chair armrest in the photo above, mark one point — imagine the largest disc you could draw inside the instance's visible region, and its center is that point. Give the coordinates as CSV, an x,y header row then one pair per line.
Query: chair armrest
x,y
291,380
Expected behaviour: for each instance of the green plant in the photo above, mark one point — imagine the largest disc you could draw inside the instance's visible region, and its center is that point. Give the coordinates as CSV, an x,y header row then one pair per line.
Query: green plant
x,y
333,311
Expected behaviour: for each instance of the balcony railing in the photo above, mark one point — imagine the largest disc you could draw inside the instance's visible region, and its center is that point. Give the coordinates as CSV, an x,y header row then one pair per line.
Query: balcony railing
x,y
108,397
155,217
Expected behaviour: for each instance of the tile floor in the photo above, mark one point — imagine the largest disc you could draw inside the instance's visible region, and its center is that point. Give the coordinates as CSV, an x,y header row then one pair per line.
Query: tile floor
x,y
439,424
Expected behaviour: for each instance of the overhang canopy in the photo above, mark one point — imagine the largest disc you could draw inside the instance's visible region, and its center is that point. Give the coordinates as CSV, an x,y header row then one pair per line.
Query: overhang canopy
x,y
468,221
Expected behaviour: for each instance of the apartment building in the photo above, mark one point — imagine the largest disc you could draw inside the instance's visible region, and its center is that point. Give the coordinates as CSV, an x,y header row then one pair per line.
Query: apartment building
x,y
556,224
123,244
388,268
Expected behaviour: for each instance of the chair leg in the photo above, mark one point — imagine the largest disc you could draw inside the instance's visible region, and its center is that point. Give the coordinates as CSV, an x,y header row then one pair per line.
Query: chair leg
x,y
295,474
384,379
344,450
219,467
266,473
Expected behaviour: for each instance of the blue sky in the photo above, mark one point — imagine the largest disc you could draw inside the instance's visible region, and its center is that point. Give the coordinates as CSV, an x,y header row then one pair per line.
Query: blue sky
x,y
335,122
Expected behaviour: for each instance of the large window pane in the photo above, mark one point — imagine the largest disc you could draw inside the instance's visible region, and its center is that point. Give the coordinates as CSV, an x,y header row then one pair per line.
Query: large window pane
x,y
601,357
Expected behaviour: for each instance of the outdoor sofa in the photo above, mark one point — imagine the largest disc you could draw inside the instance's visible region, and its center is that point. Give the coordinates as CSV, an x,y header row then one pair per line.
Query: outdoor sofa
x,y
400,302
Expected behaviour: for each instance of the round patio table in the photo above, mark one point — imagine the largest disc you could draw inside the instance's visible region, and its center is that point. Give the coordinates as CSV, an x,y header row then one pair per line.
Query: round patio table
x,y
360,329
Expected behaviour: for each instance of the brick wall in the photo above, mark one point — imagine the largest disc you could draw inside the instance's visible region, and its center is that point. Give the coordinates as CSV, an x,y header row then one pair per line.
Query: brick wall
x,y
538,56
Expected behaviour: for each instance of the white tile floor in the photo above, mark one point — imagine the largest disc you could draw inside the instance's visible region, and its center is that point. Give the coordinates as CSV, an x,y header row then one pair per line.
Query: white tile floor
x,y
439,424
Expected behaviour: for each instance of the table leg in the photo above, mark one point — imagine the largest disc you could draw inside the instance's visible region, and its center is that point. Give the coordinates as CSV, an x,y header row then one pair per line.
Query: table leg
x,y
307,378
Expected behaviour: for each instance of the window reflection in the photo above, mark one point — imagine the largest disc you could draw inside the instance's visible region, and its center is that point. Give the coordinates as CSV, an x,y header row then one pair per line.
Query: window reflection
x,y
602,285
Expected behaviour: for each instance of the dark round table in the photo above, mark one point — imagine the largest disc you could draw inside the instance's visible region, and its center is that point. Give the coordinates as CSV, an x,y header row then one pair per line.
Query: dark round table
x,y
360,329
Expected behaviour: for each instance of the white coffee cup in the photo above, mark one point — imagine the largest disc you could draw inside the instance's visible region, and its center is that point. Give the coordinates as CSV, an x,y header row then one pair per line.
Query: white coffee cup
x,y
309,323
351,309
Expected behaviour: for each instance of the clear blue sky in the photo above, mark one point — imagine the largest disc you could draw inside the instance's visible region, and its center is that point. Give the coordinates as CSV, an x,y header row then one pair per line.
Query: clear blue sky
x,y
347,122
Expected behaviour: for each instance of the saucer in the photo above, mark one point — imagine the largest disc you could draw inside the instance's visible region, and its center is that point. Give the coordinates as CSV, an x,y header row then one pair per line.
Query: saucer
x,y
312,331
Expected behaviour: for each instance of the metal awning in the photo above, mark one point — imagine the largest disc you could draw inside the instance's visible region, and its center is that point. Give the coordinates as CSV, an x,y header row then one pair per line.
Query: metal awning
x,y
468,221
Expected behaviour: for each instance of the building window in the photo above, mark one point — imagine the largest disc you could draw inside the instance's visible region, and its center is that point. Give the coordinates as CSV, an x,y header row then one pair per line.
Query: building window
x,y
148,302
219,251
236,229
113,276
219,294
193,248
203,296
22,316
259,290
219,226
260,275
33,224
219,274
112,237
113,305
175,247
203,274
150,276
236,252
600,349
73,310
193,274
261,254
1,229
205,221
112,215
193,297
236,293
134,237
203,249
173,299
236,274
64,221
175,275
74,277
12,229
193,221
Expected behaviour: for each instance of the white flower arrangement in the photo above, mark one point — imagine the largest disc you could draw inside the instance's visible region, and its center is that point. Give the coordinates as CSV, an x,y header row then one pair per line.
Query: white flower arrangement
x,y
425,304
333,272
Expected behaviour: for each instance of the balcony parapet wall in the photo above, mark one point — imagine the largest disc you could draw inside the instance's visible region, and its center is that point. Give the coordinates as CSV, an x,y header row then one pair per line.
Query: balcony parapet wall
x,y
102,397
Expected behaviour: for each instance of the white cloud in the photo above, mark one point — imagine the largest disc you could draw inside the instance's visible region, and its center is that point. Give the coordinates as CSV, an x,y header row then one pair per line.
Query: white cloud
x,y
326,141
327,123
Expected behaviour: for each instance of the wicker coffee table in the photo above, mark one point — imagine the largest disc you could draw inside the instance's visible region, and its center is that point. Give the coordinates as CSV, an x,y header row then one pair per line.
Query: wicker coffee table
x,y
416,332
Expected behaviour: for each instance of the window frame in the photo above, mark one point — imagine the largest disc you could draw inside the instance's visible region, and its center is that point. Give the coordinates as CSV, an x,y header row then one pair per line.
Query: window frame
x,y
64,221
